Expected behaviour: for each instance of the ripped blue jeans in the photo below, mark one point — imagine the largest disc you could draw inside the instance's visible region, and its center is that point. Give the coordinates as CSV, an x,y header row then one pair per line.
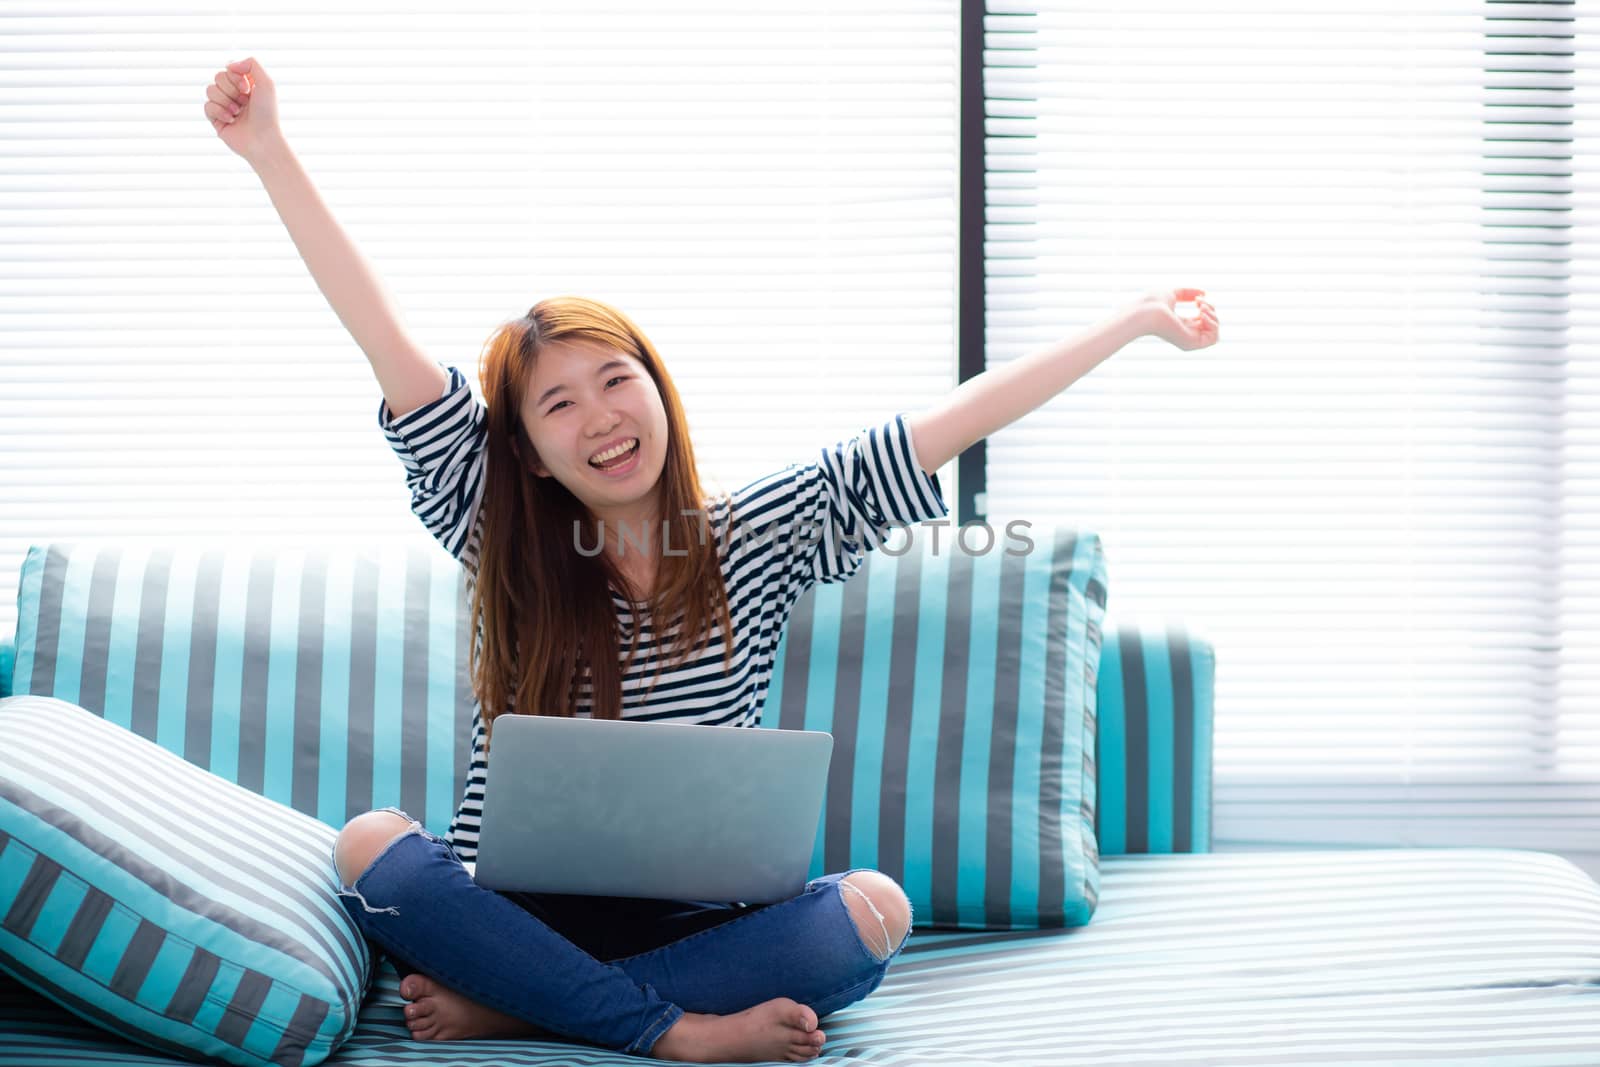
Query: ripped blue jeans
x,y
615,971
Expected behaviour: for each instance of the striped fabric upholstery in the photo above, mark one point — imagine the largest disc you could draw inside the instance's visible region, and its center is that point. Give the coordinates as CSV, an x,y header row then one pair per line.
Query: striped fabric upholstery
x,y
348,733
164,904
332,682
1153,751
1269,959
959,686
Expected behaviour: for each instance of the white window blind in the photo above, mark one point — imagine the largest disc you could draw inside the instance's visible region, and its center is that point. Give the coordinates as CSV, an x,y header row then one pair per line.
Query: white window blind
x,y
769,191
1379,495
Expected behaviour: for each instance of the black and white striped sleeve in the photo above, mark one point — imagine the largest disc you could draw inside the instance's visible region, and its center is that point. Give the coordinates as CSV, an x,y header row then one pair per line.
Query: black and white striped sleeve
x,y
463,833
442,447
854,496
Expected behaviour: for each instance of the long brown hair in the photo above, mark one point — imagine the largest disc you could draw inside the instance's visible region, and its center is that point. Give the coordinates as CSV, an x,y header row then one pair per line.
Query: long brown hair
x,y
541,608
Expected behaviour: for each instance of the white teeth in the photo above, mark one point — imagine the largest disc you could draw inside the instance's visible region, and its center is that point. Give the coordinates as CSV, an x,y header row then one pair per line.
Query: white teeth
x,y
615,452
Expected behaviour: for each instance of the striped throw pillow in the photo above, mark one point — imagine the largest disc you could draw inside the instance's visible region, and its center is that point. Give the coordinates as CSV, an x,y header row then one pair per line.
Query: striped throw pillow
x,y
959,686
331,681
165,904
1153,719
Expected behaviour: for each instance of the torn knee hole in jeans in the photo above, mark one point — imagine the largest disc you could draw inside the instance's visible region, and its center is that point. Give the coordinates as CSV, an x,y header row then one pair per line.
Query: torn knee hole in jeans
x,y
414,828
352,893
888,949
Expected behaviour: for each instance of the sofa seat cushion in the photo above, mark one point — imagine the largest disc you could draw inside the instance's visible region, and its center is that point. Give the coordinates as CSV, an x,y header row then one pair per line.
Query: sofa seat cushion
x,y
1422,956
165,904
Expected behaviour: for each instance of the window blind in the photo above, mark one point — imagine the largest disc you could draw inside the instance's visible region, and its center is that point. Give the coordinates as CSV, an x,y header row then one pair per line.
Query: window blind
x,y
768,191
1379,494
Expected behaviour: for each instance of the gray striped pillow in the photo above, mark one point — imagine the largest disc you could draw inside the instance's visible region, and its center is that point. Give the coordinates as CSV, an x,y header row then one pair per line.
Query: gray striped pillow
x,y
959,686
165,904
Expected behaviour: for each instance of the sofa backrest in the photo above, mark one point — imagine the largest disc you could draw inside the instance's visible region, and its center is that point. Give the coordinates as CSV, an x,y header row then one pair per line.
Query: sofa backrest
x,y
336,681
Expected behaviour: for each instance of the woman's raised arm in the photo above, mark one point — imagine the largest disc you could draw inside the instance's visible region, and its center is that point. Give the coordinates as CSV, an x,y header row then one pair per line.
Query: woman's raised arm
x,y
242,104
999,396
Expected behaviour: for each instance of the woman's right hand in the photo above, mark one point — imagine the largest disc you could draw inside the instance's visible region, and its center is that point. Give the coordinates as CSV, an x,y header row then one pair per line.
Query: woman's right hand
x,y
242,104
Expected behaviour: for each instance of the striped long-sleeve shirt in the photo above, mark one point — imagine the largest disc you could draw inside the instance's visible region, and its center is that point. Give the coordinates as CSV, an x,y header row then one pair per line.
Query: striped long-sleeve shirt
x,y
788,530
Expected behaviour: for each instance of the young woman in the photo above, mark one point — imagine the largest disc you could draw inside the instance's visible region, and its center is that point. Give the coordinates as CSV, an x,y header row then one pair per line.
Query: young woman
x,y
606,582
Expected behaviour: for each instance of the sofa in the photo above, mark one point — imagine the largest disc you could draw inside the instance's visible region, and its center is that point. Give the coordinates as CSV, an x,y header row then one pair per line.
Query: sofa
x,y
344,687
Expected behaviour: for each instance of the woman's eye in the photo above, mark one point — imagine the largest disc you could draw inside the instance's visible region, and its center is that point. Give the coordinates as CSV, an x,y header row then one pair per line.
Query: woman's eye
x,y
556,408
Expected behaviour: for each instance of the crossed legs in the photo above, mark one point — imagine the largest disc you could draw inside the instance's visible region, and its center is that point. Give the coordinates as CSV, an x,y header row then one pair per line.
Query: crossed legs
x,y
877,907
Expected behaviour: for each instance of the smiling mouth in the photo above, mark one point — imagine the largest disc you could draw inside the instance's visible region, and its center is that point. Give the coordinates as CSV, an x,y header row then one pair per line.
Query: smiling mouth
x,y
617,462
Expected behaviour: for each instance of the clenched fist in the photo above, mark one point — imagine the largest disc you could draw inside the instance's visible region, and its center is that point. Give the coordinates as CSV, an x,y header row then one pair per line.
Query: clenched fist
x,y
1158,309
242,104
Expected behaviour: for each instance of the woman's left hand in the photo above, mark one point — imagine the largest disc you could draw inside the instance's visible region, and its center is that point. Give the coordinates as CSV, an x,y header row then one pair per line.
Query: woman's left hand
x,y
1158,308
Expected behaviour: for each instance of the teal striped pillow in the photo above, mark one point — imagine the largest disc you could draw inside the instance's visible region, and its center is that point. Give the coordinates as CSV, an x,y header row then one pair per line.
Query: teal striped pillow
x,y
1153,740
959,687
167,905
333,682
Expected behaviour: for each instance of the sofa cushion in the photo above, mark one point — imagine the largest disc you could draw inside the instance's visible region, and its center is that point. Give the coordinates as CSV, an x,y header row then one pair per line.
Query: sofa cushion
x,y
1154,705
959,686
335,682
332,681
165,904
1364,958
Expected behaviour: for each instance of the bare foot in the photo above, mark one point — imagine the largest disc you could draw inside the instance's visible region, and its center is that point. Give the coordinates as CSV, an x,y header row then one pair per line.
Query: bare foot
x,y
439,1013
778,1029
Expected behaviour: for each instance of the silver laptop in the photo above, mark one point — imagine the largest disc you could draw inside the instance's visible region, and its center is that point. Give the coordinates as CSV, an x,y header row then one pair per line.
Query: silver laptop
x,y
675,811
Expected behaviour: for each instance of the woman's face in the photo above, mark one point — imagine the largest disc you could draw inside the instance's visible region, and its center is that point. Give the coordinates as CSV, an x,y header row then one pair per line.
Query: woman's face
x,y
582,400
